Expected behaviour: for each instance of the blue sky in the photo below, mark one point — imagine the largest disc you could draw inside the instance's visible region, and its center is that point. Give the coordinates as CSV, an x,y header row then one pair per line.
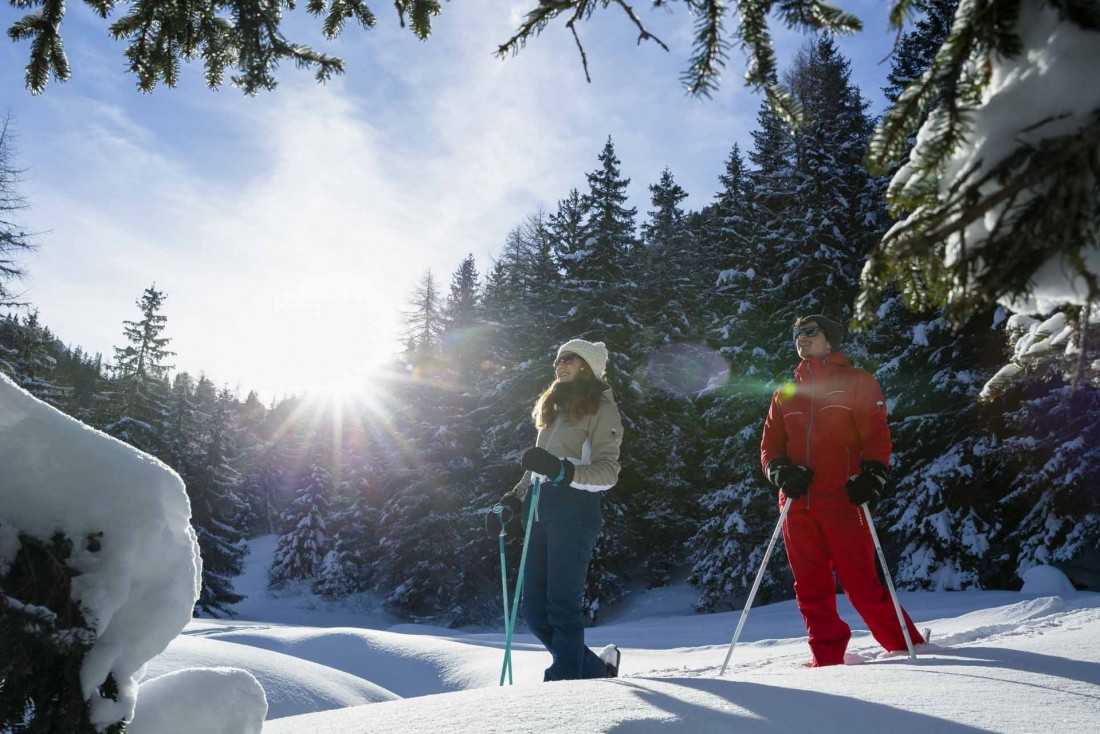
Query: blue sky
x,y
289,229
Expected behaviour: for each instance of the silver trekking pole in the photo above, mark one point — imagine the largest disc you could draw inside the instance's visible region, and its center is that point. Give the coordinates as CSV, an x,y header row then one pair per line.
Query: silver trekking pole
x,y
889,582
756,584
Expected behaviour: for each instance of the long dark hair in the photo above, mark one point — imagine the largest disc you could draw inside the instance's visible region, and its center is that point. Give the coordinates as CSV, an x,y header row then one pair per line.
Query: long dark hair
x,y
577,398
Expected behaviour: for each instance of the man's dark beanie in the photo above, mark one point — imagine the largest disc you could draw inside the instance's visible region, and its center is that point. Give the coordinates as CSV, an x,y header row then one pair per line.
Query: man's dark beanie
x,y
834,331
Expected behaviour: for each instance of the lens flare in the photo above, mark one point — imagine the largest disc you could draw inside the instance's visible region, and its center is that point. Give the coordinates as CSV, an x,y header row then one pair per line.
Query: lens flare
x,y
685,368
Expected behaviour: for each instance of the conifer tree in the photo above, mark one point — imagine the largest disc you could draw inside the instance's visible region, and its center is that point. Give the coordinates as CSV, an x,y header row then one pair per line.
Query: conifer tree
x,y
661,483
568,229
421,567
941,499
464,335
602,296
218,511
462,304
610,226
730,222
523,302
136,409
347,568
917,49
1046,459
15,241
427,482
304,541
262,466
27,355
81,377
815,217
181,427
425,319
670,298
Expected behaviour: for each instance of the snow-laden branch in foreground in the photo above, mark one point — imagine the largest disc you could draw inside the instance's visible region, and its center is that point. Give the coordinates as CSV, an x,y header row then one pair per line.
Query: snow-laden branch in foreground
x,y
1002,188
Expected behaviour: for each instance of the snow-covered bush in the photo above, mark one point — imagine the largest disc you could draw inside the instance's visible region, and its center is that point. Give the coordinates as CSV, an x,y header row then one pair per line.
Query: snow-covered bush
x,y
99,568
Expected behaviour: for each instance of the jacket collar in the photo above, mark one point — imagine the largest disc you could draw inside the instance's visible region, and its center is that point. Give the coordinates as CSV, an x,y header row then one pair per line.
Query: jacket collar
x,y
833,359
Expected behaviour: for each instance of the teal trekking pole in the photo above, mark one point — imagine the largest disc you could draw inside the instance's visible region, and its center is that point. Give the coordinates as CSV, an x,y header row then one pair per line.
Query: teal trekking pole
x,y
510,619
500,510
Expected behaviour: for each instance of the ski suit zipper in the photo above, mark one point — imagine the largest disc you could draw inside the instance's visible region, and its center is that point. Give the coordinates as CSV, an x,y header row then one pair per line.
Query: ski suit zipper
x,y
809,430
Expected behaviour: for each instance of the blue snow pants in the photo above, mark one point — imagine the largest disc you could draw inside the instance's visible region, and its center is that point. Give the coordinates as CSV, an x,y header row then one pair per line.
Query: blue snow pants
x,y
565,532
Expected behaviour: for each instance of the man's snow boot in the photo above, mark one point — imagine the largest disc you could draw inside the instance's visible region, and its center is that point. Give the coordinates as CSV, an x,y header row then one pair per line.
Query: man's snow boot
x,y
610,655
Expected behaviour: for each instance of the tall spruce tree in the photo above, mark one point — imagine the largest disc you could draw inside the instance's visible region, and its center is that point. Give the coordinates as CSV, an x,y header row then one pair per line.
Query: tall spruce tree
x,y
219,512
304,540
602,295
664,447
464,335
816,215
353,531
136,411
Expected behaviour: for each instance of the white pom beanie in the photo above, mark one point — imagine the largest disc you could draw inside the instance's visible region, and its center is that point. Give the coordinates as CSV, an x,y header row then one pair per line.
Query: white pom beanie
x,y
594,353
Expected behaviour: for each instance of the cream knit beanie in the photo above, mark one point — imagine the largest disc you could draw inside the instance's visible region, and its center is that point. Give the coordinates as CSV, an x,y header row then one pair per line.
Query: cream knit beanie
x,y
594,353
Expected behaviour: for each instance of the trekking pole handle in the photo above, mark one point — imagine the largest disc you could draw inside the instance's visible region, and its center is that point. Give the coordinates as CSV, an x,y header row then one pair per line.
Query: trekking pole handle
x,y
499,510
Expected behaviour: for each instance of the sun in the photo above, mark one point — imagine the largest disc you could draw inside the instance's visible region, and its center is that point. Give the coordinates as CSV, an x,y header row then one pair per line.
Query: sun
x,y
343,389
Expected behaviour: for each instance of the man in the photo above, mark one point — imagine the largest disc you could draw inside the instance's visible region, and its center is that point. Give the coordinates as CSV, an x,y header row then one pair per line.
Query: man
x,y
826,446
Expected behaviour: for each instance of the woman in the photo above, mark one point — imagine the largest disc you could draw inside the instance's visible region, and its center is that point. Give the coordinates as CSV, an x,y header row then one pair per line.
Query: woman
x,y
576,457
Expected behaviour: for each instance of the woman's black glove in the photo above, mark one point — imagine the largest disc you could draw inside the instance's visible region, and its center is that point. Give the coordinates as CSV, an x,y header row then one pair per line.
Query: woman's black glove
x,y
512,505
557,471
793,479
869,485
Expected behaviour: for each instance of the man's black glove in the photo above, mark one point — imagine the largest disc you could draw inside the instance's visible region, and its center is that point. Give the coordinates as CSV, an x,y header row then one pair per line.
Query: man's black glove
x,y
512,505
557,471
794,480
869,485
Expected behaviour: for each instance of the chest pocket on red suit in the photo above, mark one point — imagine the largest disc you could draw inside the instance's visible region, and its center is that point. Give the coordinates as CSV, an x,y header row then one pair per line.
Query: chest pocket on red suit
x,y
796,421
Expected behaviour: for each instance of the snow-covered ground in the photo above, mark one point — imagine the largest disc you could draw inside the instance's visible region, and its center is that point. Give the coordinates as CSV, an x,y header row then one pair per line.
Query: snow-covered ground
x,y
1000,661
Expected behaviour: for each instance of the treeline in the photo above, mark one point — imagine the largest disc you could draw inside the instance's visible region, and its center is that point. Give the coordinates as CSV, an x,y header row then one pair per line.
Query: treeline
x,y
695,306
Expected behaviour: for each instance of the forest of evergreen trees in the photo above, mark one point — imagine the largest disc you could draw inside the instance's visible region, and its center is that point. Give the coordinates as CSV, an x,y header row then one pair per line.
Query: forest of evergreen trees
x,y
695,301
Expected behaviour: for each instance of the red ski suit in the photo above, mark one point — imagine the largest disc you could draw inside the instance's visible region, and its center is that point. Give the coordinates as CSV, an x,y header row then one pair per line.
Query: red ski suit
x,y
830,418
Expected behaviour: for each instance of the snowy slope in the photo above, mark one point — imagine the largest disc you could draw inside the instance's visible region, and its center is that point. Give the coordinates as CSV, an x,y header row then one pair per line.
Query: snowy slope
x,y
1000,661
1024,667
292,684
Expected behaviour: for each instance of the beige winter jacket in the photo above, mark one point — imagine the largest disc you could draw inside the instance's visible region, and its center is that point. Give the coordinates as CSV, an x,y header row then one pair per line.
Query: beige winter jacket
x,y
591,443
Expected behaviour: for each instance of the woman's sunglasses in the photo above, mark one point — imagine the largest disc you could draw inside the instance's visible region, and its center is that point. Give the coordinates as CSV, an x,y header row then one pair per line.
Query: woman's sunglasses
x,y
565,359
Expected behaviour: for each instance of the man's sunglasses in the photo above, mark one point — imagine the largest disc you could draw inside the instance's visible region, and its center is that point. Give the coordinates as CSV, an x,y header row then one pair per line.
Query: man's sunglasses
x,y
810,331
565,359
